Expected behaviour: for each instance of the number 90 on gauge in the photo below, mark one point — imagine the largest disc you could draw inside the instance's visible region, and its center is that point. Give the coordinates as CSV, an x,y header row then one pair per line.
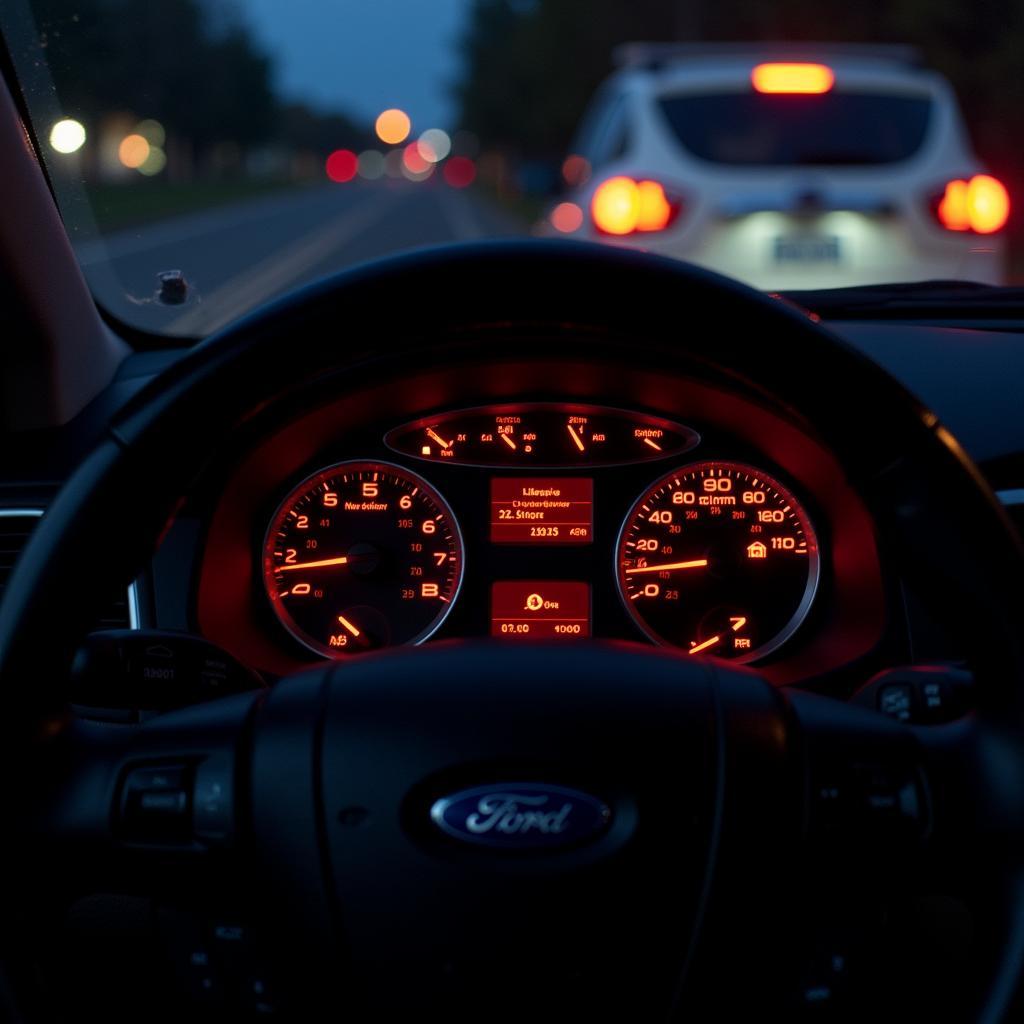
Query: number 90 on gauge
x,y
718,558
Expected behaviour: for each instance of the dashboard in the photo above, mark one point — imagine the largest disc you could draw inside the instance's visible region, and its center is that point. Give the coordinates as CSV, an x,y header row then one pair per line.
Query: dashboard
x,y
601,502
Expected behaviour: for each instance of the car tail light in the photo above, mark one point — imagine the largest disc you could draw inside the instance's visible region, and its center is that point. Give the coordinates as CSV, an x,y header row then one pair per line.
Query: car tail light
x,y
624,206
980,204
793,79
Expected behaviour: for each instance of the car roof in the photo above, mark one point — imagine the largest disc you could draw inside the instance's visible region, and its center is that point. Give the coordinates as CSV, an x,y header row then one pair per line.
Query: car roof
x,y
669,66
656,55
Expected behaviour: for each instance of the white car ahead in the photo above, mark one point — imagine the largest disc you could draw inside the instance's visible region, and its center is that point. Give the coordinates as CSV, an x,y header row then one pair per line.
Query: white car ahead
x,y
785,167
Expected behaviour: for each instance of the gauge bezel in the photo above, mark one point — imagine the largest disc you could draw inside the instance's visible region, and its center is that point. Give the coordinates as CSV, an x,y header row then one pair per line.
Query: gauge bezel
x,y
693,438
298,490
798,617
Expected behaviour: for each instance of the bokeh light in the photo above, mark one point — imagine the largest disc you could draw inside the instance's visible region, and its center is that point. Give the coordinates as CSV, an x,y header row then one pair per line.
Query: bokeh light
x,y
152,131
988,204
342,165
981,204
67,135
417,175
566,217
459,172
371,164
155,162
434,145
393,126
133,151
615,206
575,170
414,161
655,213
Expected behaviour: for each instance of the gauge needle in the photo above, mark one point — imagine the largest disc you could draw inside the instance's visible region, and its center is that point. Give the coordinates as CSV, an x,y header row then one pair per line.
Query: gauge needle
x,y
704,646
348,625
508,440
576,437
697,563
435,436
315,565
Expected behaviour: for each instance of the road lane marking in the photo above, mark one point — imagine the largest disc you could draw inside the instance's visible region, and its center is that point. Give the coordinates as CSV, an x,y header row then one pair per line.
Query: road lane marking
x,y
282,268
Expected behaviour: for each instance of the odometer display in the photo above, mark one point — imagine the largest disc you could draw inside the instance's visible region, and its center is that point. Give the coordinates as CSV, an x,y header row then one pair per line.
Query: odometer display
x,y
718,558
362,555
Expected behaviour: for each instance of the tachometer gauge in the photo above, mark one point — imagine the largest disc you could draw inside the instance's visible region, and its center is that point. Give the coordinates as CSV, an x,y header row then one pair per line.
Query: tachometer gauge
x,y
362,555
718,558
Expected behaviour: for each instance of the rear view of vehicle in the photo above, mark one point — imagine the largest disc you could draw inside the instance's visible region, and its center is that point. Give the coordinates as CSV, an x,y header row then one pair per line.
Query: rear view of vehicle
x,y
786,167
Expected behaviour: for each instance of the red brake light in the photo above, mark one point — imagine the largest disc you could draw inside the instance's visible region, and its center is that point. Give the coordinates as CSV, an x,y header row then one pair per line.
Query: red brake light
x,y
801,79
342,165
980,204
622,206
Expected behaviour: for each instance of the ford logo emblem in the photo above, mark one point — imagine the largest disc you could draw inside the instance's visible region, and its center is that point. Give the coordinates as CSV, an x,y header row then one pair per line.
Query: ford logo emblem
x,y
521,816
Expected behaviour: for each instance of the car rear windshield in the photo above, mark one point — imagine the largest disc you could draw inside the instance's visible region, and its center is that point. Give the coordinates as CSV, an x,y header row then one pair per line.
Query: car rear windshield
x,y
838,128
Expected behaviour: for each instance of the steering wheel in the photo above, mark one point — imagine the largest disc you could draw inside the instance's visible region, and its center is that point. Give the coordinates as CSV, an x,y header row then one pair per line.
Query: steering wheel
x,y
704,832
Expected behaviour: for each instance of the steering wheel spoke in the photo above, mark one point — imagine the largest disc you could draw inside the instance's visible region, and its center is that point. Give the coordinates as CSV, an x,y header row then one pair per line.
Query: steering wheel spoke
x,y
133,805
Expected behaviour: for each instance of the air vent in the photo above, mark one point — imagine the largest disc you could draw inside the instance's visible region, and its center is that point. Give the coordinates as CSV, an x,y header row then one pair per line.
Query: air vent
x,y
16,526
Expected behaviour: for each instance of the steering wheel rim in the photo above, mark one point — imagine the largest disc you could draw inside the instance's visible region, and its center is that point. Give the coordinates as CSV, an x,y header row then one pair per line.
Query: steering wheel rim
x,y
898,454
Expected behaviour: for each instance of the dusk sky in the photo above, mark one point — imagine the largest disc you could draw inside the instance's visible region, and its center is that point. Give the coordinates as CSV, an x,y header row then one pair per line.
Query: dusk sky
x,y
365,55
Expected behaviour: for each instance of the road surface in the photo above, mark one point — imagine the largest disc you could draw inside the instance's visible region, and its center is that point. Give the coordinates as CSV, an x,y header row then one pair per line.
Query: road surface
x,y
237,257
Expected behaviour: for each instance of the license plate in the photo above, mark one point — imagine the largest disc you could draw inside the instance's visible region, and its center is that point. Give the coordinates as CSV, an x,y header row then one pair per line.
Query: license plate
x,y
807,249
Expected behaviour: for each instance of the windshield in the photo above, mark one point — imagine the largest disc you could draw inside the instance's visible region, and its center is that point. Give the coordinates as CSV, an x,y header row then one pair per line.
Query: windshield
x,y
210,155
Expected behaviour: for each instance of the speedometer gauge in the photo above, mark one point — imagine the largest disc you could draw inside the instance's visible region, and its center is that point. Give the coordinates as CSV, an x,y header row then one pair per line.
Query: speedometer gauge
x,y
718,558
362,555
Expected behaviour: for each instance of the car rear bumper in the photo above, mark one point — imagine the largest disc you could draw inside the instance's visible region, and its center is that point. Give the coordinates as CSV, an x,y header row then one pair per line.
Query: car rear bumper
x,y
777,251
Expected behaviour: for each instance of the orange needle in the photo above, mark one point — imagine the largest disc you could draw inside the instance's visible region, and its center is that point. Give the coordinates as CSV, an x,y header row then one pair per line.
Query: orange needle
x,y
348,625
314,565
652,444
697,563
704,646
508,440
434,435
575,437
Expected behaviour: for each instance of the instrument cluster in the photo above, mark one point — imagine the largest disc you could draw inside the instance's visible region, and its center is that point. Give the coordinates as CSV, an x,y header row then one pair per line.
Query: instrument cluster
x,y
542,521
615,504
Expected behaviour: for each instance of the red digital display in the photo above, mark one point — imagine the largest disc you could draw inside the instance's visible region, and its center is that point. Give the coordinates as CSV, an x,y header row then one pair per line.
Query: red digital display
x,y
542,511
540,610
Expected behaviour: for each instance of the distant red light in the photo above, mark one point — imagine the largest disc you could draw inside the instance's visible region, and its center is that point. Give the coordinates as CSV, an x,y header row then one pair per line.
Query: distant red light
x,y
414,160
566,217
342,165
459,172
575,170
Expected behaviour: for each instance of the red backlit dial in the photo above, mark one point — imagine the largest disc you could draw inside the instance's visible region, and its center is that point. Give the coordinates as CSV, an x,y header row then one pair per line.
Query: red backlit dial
x,y
362,555
718,558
